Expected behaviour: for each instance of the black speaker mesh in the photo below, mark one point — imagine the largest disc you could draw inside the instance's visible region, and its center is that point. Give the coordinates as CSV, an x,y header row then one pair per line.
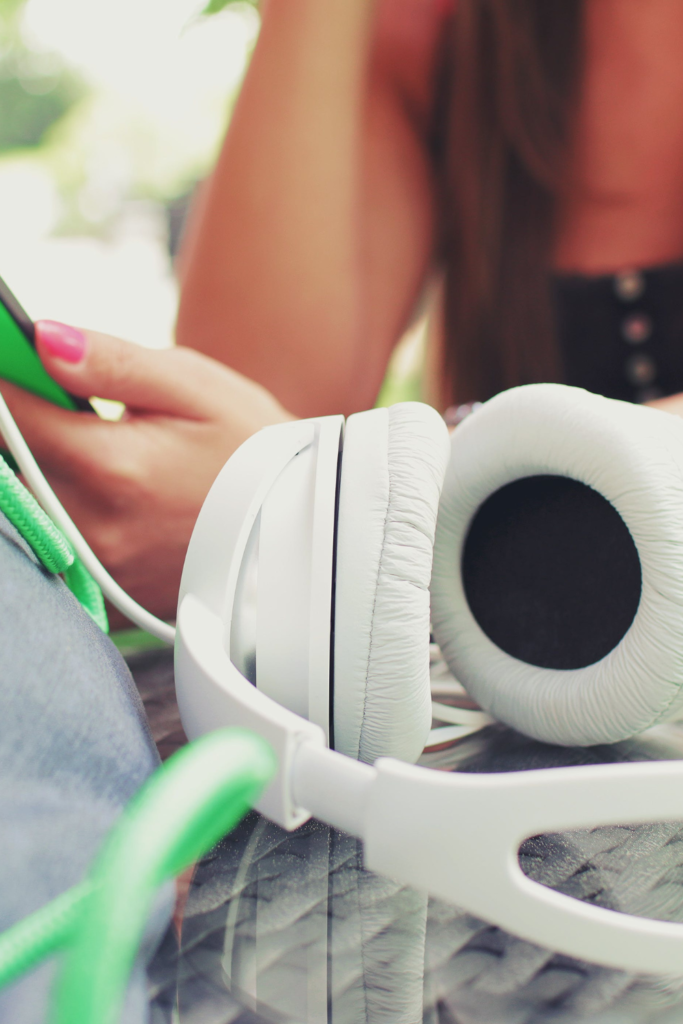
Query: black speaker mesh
x,y
551,572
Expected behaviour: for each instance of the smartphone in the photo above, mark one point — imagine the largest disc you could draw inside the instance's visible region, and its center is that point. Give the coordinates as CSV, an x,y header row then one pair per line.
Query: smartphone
x,y
19,361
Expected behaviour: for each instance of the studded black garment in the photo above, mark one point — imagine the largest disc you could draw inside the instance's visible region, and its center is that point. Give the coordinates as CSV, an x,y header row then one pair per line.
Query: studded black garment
x,y
621,335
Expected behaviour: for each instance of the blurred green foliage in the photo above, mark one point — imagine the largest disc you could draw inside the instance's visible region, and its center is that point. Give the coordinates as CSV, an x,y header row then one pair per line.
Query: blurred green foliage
x,y
30,106
213,6
36,90
10,8
96,148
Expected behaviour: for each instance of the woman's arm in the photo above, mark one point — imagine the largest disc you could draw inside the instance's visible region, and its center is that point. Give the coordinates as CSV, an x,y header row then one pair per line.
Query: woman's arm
x,y
312,239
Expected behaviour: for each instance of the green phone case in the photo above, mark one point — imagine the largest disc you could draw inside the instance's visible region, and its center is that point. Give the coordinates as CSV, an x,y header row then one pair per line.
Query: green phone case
x,y
20,364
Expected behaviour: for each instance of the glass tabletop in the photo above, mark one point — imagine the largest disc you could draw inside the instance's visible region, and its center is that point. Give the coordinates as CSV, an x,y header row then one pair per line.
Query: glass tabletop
x,y
283,927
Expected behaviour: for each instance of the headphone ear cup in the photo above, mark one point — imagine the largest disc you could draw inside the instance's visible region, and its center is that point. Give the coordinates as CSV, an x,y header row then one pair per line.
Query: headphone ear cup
x,y
557,593
392,470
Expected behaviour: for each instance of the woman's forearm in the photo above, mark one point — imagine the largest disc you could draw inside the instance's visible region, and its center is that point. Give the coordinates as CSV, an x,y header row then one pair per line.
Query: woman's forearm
x,y
273,280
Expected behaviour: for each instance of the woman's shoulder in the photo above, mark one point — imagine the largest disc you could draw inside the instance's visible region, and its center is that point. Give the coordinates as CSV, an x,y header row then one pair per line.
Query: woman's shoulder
x,y
407,43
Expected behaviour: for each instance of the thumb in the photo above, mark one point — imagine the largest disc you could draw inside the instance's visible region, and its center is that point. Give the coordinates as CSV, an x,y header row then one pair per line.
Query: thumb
x,y
88,363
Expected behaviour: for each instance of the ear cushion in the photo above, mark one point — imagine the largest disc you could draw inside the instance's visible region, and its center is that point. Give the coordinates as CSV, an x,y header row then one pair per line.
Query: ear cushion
x,y
629,455
392,469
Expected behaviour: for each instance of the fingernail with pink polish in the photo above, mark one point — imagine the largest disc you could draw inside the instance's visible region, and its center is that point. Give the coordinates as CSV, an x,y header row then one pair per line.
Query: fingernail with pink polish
x,y
61,340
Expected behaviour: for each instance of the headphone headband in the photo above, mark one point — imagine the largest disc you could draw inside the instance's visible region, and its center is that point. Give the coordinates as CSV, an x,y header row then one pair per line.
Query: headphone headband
x,y
209,686
455,836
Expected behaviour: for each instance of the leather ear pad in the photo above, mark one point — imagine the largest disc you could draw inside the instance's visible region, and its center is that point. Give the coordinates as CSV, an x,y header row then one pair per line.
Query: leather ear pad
x,y
393,464
557,593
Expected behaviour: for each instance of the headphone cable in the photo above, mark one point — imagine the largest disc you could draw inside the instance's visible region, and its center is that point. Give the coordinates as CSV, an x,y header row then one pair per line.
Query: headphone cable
x,y
187,805
51,504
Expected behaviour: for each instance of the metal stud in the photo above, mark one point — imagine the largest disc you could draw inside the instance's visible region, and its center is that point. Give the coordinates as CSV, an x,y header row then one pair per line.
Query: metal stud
x,y
629,285
640,370
636,328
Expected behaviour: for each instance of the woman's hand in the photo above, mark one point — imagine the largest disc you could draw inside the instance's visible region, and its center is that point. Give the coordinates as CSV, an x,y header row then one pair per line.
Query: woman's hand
x,y
134,488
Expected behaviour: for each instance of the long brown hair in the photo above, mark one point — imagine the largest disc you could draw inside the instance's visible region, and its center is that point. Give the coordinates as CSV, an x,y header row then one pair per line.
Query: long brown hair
x,y
511,84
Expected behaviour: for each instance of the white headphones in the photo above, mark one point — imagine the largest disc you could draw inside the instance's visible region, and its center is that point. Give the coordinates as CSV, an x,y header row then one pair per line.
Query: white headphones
x,y
304,615
565,510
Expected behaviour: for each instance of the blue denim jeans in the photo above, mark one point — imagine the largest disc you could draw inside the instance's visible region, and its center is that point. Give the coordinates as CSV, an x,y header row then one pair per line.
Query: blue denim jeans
x,y
74,748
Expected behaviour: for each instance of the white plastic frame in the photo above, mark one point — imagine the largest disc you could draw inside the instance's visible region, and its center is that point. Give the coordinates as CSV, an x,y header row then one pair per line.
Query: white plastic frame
x,y
455,836
211,692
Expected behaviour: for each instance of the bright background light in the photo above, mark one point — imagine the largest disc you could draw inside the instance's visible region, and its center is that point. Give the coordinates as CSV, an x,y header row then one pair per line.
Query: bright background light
x,y
83,216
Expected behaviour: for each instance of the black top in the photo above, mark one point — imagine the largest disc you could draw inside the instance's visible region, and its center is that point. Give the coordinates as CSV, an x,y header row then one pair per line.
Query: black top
x,y
621,335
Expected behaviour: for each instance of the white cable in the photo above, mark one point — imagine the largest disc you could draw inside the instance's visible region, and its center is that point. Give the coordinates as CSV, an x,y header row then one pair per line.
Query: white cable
x,y
54,508
449,733
460,716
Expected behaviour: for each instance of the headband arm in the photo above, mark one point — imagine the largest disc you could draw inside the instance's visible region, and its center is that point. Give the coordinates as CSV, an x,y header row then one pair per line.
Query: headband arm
x,y
457,836
453,835
213,694
332,787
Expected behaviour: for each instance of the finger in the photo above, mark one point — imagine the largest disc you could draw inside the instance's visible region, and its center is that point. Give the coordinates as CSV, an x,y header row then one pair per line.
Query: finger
x,y
63,443
173,381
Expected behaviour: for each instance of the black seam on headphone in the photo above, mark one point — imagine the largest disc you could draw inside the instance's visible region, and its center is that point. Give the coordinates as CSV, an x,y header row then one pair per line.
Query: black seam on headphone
x,y
333,602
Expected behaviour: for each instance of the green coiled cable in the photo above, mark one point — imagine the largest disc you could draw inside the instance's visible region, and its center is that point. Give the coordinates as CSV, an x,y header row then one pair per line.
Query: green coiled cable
x,y
86,590
188,804
26,515
43,933
48,543
194,799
